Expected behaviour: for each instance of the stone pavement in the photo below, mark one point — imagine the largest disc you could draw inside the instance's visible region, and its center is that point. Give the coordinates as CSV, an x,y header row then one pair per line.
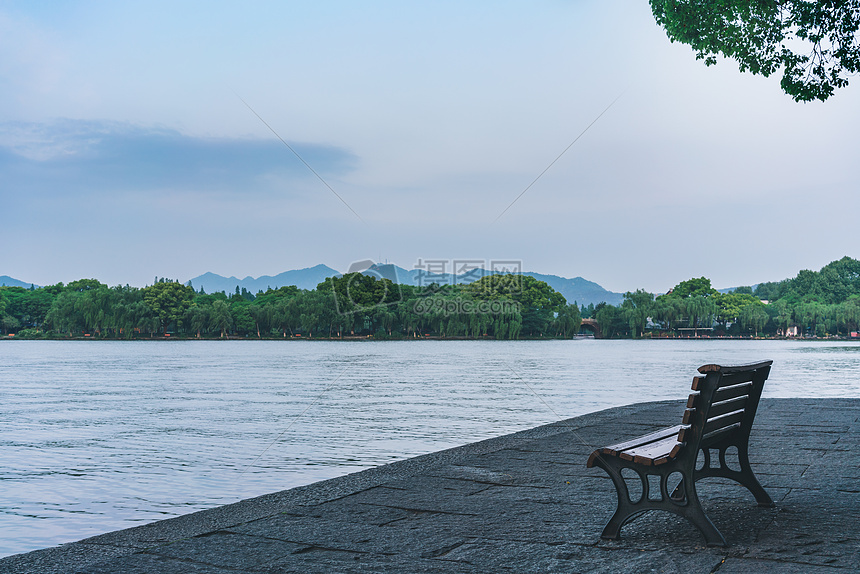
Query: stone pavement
x,y
520,503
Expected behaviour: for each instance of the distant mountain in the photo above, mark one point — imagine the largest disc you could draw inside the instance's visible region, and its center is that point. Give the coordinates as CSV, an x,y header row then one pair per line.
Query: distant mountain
x,y
420,277
732,289
7,281
580,290
307,278
577,289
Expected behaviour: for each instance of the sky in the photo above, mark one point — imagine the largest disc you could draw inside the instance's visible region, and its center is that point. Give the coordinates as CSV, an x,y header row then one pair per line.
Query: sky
x,y
131,147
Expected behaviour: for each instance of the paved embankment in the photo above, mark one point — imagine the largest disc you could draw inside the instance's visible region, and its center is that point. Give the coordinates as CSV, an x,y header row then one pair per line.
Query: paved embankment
x,y
520,503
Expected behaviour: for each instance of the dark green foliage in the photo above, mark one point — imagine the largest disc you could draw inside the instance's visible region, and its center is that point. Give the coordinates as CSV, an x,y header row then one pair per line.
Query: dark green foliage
x,y
220,317
243,322
835,283
354,305
567,321
274,295
611,320
169,300
814,43
819,303
636,308
697,287
587,312
501,307
83,285
358,293
539,303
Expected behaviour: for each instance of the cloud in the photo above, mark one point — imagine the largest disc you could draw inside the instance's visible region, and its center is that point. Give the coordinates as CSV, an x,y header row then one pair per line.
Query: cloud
x,y
93,156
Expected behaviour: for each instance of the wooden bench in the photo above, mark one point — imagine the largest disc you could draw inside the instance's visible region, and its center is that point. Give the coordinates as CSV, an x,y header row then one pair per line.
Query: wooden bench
x,y
719,415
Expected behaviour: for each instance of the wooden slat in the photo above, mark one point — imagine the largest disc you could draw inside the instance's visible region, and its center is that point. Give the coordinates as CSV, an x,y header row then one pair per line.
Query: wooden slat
x,y
691,401
736,379
648,453
688,416
719,422
672,454
727,393
723,407
697,383
733,369
643,440
722,431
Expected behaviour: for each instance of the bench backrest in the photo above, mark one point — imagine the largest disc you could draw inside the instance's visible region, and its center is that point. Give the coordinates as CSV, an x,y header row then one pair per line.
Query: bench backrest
x,y
723,406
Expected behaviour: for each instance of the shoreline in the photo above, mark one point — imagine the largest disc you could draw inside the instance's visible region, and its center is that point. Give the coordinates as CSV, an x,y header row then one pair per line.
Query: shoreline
x,y
428,338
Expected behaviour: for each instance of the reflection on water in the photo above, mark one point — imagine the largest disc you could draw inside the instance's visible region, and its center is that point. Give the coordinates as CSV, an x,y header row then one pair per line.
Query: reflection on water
x,y
98,436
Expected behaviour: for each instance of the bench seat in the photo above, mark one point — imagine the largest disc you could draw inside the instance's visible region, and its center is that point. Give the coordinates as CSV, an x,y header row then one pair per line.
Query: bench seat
x,y
651,449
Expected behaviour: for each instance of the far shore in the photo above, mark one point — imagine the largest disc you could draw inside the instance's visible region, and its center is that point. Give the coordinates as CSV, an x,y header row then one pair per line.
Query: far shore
x,y
170,337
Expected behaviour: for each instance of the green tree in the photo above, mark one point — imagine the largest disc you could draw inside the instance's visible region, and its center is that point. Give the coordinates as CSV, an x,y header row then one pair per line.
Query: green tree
x,y
637,307
359,293
729,305
263,316
276,295
220,317
84,285
696,287
814,43
169,300
539,303
243,322
95,307
197,318
754,316
668,310
610,319
567,322
308,320
286,315
9,324
63,317
701,311
783,315
850,311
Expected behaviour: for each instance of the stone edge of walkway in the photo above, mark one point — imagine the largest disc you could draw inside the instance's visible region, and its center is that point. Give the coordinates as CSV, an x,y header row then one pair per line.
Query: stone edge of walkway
x,y
127,541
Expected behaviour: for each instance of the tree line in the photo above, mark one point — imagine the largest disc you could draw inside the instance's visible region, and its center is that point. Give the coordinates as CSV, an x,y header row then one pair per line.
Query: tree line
x,y
353,305
814,303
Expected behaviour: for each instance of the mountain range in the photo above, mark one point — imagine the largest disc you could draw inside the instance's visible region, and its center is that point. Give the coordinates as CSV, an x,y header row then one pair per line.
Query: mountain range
x,y
307,278
577,289
6,281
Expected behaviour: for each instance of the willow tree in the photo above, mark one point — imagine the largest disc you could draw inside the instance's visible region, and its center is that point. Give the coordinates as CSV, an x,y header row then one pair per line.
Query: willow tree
x,y
753,316
220,317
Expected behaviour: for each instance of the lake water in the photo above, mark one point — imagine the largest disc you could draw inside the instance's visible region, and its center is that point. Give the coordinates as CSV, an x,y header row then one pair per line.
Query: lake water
x,y
98,436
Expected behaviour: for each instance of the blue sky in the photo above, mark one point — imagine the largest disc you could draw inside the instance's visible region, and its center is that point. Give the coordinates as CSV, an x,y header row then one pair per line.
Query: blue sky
x,y
126,152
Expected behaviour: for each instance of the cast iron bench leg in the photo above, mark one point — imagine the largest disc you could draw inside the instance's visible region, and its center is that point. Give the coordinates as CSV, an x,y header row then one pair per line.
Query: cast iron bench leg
x,y
748,478
694,513
687,507
625,509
